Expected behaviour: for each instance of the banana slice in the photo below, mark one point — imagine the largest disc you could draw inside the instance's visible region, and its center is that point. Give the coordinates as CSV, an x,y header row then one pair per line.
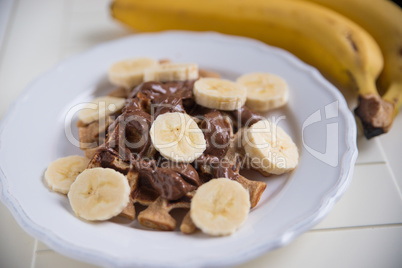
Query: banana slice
x,y
62,173
220,206
99,194
177,137
172,72
269,148
129,73
216,93
264,91
100,108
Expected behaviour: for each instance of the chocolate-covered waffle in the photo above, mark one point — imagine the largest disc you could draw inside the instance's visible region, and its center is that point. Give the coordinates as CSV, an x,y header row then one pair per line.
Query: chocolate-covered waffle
x,y
167,145
156,182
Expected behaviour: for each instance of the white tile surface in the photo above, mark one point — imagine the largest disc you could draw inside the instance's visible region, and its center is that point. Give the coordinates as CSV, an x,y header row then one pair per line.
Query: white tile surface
x,y
392,145
72,51
16,247
372,199
51,259
41,247
368,248
6,7
88,29
369,151
31,48
90,6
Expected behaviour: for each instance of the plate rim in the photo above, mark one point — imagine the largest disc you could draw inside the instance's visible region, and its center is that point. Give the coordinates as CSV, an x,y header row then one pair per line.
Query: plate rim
x,y
89,255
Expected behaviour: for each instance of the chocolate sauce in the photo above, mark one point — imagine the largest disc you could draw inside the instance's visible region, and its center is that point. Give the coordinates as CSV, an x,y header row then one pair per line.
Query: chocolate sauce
x,y
216,130
219,168
171,182
246,117
129,139
107,159
129,134
167,97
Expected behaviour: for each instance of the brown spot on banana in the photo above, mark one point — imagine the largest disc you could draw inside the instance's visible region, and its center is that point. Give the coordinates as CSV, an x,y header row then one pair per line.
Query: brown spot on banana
x,y
352,42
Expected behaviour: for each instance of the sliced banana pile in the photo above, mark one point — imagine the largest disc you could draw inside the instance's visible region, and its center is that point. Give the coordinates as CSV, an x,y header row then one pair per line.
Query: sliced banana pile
x,y
265,91
270,148
100,108
99,194
220,206
177,137
132,72
62,173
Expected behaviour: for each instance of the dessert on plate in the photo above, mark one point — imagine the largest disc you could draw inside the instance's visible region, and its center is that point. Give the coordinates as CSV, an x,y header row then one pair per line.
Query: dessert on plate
x,y
175,136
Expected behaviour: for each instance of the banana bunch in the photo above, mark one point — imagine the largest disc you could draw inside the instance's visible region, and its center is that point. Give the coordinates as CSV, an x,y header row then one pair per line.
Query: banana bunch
x,y
355,45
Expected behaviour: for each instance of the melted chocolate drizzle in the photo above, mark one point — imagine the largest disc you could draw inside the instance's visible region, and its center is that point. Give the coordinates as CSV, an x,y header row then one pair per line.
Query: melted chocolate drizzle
x,y
130,141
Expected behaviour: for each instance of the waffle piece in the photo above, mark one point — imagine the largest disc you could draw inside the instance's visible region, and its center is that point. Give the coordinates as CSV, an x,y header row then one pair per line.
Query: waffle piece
x,y
205,73
157,215
107,158
90,152
187,225
164,61
91,136
255,189
129,211
119,92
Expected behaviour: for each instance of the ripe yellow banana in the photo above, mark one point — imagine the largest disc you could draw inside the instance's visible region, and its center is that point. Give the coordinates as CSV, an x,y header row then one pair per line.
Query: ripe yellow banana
x,y
345,53
383,20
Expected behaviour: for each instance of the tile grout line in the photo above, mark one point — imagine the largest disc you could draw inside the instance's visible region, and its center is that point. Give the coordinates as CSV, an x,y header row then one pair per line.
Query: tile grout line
x,y
390,169
44,251
10,21
353,228
371,163
33,260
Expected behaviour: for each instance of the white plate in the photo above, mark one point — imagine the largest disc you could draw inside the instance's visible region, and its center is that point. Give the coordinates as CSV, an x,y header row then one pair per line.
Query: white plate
x,y
32,135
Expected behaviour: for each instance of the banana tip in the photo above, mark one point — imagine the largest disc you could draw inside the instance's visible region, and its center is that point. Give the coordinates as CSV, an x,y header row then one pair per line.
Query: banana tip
x,y
375,114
